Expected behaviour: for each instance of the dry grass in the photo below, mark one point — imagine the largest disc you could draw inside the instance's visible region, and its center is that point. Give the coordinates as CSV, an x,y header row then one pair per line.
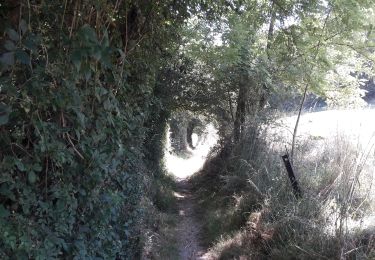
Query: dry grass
x,y
159,227
335,176
160,241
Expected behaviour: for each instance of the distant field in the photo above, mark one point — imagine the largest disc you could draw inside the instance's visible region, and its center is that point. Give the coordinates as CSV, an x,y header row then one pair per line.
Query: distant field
x,y
346,133
358,125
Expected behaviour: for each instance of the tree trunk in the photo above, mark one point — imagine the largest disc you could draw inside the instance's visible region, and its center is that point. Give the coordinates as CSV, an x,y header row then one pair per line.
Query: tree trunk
x,y
178,136
189,133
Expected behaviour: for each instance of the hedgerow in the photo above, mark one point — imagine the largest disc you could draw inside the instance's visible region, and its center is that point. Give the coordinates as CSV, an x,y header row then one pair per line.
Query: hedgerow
x,y
77,103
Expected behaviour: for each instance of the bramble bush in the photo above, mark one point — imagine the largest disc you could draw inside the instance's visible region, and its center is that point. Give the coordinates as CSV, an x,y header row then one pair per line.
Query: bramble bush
x,y
75,110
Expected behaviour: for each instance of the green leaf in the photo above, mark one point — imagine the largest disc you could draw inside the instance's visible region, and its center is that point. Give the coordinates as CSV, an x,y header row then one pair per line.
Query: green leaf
x,y
86,71
106,58
7,59
88,33
96,53
76,59
37,167
31,42
4,113
20,165
60,205
100,91
13,35
3,212
121,53
23,57
31,177
9,45
107,104
26,208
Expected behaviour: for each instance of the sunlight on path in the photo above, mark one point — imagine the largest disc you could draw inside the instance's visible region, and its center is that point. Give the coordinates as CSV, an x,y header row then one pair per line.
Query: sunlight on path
x,y
183,168
189,227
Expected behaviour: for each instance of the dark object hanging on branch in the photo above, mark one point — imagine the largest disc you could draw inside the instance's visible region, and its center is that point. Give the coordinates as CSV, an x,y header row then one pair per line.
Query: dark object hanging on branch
x,y
296,190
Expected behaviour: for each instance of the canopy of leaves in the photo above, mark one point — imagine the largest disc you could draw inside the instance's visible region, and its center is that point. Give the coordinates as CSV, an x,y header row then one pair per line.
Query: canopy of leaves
x,y
284,46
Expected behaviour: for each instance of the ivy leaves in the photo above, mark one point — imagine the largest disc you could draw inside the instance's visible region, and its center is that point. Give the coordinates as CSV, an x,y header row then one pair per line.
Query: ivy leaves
x,y
73,113
58,101
30,170
18,47
4,113
88,50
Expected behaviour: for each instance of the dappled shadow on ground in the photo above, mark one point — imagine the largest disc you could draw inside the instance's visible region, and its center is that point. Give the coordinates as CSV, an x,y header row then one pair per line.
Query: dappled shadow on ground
x,y
189,227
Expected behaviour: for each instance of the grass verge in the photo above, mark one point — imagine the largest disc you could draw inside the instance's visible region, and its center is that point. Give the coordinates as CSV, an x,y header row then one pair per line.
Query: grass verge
x,y
159,240
249,210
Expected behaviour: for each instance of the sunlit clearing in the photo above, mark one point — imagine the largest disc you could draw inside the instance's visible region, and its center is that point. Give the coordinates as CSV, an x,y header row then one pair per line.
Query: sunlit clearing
x,y
358,124
341,143
183,168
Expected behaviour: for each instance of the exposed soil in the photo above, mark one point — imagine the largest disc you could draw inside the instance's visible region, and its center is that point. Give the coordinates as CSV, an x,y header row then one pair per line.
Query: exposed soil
x,y
189,228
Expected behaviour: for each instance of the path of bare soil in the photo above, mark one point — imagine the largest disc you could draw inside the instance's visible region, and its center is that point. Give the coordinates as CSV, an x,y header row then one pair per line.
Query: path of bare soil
x,y
189,228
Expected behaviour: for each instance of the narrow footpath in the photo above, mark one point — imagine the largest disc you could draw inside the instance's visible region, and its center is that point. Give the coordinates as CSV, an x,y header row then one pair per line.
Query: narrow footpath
x,y
189,228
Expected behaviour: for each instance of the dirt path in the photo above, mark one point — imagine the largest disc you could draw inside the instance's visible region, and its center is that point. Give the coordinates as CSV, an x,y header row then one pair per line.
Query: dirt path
x,y
188,226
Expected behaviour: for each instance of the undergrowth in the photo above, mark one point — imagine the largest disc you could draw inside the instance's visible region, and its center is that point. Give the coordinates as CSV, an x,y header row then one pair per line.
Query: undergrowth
x,y
249,211
81,102
159,236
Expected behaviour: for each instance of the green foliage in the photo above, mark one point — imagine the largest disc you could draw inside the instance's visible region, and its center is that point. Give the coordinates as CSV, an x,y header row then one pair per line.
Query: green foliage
x,y
70,181
79,110
282,47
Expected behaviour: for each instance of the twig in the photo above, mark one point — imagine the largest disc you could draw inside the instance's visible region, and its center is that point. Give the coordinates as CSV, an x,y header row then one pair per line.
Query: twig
x,y
22,148
305,91
297,123
73,146
74,19
354,249
356,50
310,253
63,17
29,7
46,178
69,138
270,30
230,105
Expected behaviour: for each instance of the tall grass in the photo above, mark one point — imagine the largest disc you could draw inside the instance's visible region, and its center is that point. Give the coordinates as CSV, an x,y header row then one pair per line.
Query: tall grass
x,y
159,227
250,211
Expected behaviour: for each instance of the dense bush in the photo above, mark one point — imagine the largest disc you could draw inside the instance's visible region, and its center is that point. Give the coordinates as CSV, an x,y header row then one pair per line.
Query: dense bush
x,y
79,110
70,176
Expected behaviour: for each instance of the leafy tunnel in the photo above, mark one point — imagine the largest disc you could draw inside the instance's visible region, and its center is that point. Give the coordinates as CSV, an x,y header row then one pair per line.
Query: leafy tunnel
x,y
89,89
